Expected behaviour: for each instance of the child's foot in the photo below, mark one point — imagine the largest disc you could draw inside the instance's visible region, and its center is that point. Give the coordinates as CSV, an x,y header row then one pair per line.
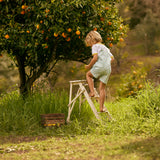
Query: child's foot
x,y
103,110
91,94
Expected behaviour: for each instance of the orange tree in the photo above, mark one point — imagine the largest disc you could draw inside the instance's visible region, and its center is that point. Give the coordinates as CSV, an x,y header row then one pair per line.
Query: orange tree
x,y
37,34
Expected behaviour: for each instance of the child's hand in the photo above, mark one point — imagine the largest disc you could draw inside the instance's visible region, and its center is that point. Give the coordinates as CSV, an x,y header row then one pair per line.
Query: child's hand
x,y
87,67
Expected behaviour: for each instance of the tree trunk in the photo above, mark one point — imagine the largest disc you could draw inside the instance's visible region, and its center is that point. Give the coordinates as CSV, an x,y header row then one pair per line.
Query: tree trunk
x,y
26,82
23,87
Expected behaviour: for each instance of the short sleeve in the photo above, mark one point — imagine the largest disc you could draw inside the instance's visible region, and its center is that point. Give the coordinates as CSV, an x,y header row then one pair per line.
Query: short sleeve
x,y
94,49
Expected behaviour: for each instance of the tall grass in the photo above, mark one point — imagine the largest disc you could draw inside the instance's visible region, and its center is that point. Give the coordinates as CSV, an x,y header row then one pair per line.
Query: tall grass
x,y
140,115
21,116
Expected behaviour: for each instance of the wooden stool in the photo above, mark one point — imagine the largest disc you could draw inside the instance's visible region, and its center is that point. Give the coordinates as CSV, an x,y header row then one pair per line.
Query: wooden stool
x,y
82,91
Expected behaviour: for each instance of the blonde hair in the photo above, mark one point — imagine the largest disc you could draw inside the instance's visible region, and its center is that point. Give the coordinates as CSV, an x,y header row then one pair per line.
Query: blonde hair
x,y
93,37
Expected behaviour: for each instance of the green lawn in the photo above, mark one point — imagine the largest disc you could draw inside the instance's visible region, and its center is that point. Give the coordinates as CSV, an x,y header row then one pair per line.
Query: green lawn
x,y
85,147
134,134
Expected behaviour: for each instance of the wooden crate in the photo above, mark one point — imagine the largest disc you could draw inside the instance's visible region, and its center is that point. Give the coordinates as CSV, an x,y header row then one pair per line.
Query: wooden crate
x,y
52,119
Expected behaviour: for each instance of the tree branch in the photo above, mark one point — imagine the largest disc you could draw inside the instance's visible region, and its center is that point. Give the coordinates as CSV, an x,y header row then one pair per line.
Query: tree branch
x,y
43,68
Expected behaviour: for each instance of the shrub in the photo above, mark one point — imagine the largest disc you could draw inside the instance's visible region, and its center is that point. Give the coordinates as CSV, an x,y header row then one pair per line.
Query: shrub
x,y
148,102
133,82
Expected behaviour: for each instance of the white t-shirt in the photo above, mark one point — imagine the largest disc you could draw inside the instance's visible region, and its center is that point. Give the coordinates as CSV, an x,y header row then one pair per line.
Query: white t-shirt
x,y
104,55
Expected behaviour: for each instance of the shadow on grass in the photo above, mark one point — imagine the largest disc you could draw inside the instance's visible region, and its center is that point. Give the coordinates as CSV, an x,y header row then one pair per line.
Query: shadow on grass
x,y
148,148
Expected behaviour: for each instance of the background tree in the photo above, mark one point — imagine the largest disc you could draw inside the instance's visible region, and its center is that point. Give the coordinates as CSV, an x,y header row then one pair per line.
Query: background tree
x,y
38,33
148,31
144,21
134,11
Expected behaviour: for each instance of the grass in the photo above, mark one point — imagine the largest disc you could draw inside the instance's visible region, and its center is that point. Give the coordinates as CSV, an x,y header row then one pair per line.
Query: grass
x,y
132,115
85,147
23,116
133,134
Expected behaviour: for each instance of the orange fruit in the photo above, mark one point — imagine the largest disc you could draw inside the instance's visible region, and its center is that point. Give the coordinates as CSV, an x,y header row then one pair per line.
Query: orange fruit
x,y
41,21
23,7
121,39
64,35
22,12
55,35
1,0
68,39
69,29
120,27
46,47
78,32
37,26
110,44
109,23
83,12
108,38
47,10
140,86
132,92
28,31
95,29
6,36
42,31
107,8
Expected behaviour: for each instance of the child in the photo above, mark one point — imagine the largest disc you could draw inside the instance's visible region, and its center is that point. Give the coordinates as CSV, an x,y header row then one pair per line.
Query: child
x,y
100,65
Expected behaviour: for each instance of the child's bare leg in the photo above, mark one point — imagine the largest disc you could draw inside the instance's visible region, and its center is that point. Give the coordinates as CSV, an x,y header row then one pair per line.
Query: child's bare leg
x,y
89,78
102,93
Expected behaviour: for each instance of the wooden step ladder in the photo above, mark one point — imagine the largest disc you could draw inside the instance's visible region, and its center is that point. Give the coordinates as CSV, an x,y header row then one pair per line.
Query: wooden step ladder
x,y
82,91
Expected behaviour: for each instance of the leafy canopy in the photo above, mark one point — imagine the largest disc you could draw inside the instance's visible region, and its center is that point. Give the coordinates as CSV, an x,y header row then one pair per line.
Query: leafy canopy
x,y
36,27
38,32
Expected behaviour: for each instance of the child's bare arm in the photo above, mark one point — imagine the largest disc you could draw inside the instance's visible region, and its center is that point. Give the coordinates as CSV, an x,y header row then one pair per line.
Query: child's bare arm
x,y
92,62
